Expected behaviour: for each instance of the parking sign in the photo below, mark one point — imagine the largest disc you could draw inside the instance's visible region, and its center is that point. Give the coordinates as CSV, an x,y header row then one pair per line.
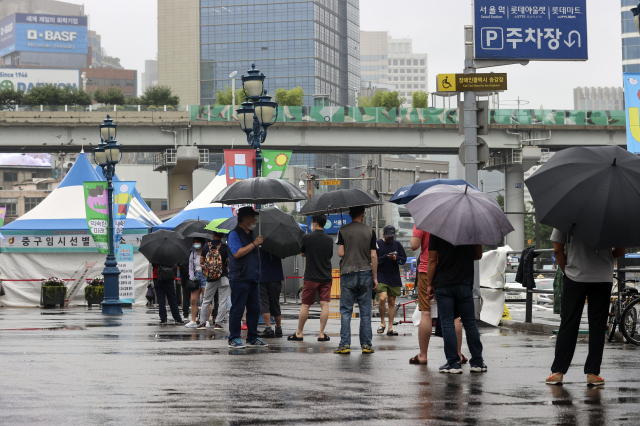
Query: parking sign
x,y
542,30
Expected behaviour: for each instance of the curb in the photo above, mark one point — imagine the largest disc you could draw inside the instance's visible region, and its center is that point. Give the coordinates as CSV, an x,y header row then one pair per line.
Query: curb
x,y
529,327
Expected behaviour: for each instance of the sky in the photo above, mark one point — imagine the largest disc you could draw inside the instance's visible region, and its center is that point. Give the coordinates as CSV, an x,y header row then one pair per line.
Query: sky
x,y
129,31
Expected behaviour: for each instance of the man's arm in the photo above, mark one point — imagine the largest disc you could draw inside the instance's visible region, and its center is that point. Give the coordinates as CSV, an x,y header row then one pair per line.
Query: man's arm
x,y
374,268
478,255
341,250
431,273
619,251
246,249
415,243
401,258
561,258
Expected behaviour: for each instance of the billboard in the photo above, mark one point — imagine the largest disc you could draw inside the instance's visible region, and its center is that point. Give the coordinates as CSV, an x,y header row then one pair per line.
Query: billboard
x,y
25,79
7,35
632,102
544,30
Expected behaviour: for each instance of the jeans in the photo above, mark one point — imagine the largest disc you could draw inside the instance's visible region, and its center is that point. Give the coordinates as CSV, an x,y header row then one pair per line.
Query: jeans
x,y
243,295
200,279
356,286
222,287
573,296
166,288
460,298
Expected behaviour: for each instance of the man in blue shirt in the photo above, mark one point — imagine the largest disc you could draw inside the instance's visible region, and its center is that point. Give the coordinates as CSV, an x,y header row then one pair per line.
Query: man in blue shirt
x,y
244,279
271,278
390,255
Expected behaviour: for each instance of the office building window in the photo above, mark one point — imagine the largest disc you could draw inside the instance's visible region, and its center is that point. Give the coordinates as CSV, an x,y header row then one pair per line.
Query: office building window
x,y
389,61
402,86
11,204
395,70
422,78
402,78
422,62
401,61
163,205
10,176
31,203
395,78
395,62
402,71
422,86
409,71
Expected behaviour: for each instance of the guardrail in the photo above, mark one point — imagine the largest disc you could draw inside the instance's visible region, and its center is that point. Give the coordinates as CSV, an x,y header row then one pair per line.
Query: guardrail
x,y
528,317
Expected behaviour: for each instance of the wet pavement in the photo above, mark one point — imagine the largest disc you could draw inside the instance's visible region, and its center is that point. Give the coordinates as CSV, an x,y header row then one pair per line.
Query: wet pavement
x,y
76,366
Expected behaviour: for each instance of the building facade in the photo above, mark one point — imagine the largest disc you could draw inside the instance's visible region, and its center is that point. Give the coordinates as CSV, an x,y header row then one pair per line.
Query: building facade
x,y
104,78
313,44
630,38
602,98
150,74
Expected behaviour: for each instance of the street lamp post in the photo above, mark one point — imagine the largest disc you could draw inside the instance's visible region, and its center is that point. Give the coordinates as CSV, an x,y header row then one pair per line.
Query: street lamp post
x,y
259,111
107,155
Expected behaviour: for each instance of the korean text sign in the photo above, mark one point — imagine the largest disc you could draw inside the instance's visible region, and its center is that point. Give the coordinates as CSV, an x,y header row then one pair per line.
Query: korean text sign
x,y
122,194
97,211
125,265
542,30
51,33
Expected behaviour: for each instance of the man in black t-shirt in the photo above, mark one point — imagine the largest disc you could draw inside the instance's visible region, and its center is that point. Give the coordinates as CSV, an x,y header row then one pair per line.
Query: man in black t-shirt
x,y
221,286
317,248
450,278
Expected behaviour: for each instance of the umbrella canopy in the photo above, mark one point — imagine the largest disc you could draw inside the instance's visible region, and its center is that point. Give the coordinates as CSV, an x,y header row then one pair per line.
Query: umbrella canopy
x,y
215,226
192,225
230,223
259,191
339,200
592,193
460,215
165,247
203,235
409,192
281,232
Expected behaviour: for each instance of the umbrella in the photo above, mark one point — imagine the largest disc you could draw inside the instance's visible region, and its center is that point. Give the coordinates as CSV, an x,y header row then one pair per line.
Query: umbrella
x,y
281,232
190,226
259,191
230,223
206,236
339,200
409,192
165,247
591,193
215,226
460,215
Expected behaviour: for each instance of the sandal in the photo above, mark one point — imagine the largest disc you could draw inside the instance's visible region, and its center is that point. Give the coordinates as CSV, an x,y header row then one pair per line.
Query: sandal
x,y
381,330
295,338
463,359
324,339
416,361
392,333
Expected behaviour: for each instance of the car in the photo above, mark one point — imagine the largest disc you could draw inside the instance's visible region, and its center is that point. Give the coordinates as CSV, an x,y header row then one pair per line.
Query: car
x,y
513,262
545,284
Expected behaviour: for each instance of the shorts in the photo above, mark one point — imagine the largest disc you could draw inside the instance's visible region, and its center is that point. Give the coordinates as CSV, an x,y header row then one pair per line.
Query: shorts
x,y
201,279
270,298
391,291
309,292
424,304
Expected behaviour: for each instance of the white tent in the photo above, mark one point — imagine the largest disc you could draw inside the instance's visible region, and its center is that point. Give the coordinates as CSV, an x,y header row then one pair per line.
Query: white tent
x,y
53,240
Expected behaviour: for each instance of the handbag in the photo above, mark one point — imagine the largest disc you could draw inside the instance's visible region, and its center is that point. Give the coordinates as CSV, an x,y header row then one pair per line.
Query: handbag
x,y
151,294
191,285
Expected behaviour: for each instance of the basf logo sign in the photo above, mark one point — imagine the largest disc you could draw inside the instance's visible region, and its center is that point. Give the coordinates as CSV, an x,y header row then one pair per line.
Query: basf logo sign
x,y
27,32
25,79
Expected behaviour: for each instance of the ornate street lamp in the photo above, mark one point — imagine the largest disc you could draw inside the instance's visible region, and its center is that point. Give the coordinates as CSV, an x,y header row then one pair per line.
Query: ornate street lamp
x,y
107,155
260,111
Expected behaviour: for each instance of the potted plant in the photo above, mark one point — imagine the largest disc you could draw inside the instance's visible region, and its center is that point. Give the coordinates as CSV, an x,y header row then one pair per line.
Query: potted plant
x,y
53,292
94,291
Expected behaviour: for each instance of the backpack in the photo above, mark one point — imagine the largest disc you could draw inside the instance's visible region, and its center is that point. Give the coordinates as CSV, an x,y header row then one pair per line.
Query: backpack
x,y
165,273
212,268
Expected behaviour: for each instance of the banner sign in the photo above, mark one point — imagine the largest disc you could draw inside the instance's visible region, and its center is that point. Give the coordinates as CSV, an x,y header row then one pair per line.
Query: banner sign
x,y
95,197
240,164
25,79
122,195
125,265
75,282
274,163
3,213
542,30
334,222
51,33
632,102
59,241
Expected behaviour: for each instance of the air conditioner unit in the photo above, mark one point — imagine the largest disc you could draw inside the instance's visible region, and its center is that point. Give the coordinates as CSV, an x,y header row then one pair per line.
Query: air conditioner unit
x,y
68,164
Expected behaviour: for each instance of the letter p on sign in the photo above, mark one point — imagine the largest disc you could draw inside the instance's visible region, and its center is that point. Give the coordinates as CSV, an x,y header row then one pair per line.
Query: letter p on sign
x,y
492,38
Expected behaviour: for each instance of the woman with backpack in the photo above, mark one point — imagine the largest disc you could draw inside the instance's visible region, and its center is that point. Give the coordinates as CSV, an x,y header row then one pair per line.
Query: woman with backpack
x,y
196,275
215,267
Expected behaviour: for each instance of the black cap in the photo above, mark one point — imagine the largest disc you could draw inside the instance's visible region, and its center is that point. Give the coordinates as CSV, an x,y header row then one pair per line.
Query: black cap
x,y
389,231
247,210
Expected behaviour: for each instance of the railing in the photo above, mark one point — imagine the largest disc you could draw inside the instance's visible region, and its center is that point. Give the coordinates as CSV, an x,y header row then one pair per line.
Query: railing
x,y
164,159
528,317
203,157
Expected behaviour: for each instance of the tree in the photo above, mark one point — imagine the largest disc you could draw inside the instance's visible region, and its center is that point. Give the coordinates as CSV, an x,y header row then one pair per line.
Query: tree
x,y
382,100
111,96
420,99
10,97
224,96
364,101
500,200
159,95
530,231
55,95
293,97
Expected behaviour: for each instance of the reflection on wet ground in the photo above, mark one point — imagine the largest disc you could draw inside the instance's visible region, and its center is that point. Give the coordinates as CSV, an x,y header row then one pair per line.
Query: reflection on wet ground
x,y
75,366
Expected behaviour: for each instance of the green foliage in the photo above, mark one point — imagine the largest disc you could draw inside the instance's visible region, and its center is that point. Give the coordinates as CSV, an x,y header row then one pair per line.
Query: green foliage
x,y
530,231
364,101
10,97
420,99
225,96
382,100
111,60
159,95
111,96
53,286
293,97
500,200
93,291
284,208
55,95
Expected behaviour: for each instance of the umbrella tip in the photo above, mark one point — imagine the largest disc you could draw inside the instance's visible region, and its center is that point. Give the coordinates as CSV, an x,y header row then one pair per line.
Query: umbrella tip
x,y
614,161
465,189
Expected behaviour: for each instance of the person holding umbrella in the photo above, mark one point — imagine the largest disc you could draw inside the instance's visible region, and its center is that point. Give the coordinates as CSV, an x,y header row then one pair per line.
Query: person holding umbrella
x,y
244,278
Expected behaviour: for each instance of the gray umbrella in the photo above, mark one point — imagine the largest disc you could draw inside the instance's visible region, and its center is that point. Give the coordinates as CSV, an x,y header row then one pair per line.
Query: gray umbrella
x,y
339,201
259,191
460,215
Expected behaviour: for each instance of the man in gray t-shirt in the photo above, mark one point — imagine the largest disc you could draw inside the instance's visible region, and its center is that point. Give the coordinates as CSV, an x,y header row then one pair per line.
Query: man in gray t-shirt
x,y
588,274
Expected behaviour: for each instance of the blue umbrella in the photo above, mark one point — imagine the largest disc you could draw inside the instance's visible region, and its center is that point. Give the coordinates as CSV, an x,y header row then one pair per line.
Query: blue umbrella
x,y
409,192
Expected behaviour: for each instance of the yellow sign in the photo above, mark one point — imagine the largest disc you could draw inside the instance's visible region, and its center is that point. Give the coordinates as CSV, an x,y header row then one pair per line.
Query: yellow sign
x,y
529,242
331,182
446,82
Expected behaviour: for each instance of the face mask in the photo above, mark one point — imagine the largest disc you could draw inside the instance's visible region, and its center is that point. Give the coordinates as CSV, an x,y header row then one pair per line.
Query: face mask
x,y
252,227
389,239
197,246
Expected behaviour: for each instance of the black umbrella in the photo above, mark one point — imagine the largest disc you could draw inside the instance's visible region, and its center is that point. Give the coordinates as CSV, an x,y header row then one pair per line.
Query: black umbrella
x,y
259,191
230,223
206,236
592,193
165,247
281,232
192,225
339,201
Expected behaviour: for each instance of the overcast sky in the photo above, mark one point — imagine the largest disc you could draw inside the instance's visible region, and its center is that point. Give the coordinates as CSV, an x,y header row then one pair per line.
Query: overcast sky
x,y
129,31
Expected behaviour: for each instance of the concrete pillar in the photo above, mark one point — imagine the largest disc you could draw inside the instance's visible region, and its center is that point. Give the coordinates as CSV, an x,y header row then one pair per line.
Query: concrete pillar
x,y
180,179
514,203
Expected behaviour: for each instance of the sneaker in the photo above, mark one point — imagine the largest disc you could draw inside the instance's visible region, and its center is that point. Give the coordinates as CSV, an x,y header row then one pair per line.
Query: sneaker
x,y
163,322
613,120
551,116
217,326
479,369
202,326
191,324
179,322
257,342
556,379
348,119
593,380
441,117
535,121
244,326
236,344
344,349
569,121
386,114
367,349
267,333
368,117
450,368
514,119
308,118
278,331
590,121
